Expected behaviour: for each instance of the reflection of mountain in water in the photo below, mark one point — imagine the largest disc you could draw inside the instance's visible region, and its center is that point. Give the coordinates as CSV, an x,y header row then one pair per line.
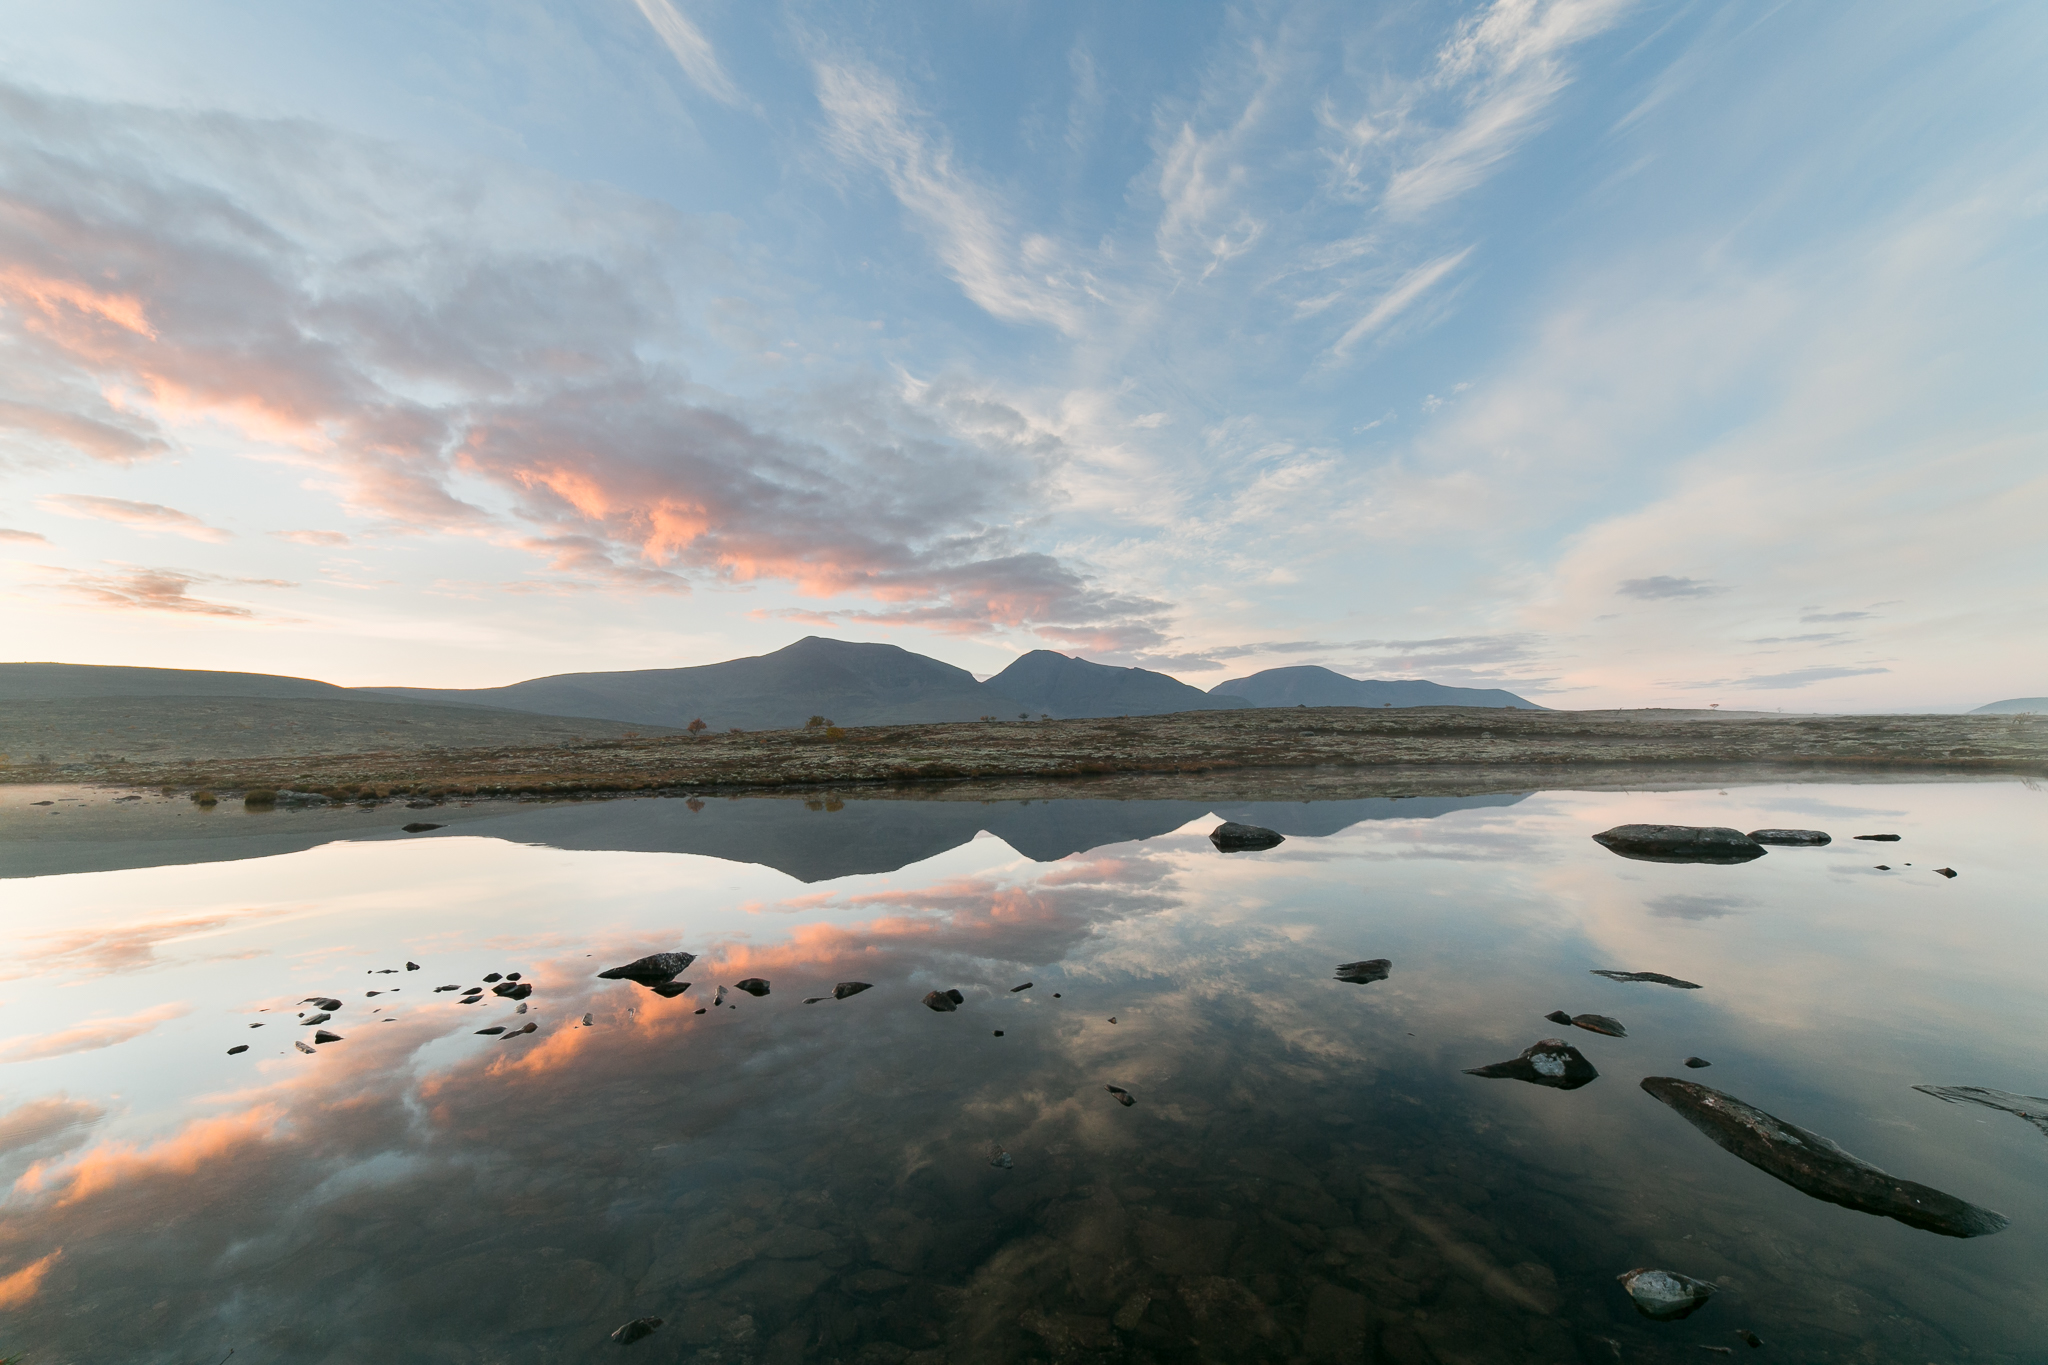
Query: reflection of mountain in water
x,y
811,841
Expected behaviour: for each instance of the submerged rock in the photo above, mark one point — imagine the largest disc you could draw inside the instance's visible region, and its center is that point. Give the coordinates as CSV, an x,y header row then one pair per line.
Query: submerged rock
x,y
1123,1096
519,1032
719,998
1655,978
944,1002
998,1157
1748,1337
1231,837
586,1021
649,970
2032,1108
1878,838
323,1036
1697,1062
669,990
636,1330
1813,1165
1364,973
846,988
412,966
1680,843
1791,838
521,1009
1664,1295
239,1047
1600,1023
418,827
1548,1061
753,985
814,999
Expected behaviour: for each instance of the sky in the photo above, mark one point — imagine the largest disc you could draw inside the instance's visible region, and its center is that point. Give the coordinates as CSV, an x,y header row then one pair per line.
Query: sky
x,y
1619,353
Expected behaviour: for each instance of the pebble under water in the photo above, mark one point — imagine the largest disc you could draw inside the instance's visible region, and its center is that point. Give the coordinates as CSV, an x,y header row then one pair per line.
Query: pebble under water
x,y
1190,1142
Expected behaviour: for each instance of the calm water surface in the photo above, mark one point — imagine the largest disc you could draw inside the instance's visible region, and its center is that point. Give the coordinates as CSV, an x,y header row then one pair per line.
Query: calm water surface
x,y
1306,1174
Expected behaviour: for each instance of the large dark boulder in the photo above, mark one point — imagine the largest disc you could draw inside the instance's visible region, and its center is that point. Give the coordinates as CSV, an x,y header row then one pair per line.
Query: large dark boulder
x,y
651,970
1680,843
1231,837
1549,1061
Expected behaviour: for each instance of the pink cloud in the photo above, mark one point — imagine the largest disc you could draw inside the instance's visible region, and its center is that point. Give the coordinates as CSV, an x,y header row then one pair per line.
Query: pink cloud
x,y
149,516
89,1036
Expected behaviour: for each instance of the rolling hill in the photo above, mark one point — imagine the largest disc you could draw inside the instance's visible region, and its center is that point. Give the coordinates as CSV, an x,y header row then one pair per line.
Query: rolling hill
x,y
1310,685
2018,706
1049,683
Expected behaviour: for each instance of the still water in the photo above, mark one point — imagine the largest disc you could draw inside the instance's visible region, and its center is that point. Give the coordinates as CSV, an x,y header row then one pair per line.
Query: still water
x,y
1305,1174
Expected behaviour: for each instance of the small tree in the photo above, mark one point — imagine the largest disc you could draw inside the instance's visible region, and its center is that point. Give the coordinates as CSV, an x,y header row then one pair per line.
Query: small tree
x,y
816,723
698,727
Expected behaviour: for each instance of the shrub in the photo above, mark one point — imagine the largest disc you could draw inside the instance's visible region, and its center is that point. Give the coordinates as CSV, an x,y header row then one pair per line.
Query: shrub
x,y
834,732
262,796
816,723
203,797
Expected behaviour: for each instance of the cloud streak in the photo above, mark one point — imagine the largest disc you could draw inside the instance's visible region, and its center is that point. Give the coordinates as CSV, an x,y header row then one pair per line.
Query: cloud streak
x,y
147,516
692,50
89,1036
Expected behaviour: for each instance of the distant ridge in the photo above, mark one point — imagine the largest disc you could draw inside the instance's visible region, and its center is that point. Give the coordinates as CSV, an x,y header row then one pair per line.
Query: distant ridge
x,y
1312,685
76,682
2018,706
847,683
1066,688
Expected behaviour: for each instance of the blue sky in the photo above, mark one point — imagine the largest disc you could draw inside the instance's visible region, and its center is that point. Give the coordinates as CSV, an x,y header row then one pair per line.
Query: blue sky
x,y
1618,353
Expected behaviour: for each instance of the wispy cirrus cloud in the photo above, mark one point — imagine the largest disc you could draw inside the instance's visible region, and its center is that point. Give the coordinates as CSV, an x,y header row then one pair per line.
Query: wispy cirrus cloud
x,y
147,516
165,590
24,537
89,1036
1663,586
692,50
320,538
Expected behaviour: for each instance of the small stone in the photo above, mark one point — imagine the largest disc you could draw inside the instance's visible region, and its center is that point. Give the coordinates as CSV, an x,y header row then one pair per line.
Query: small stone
x,y
1790,838
324,1036
518,1032
1749,1338
1132,1313
511,976
998,1157
1656,978
1123,1096
255,1026
1055,995
325,1002
1025,987
1947,872
1697,1062
586,1021
521,1009
846,988
513,990
753,985
495,1028
371,995
814,999
494,977
239,1047
439,989
1599,1023
1878,838
1232,837
1884,867
700,1011
718,999
322,1017
1559,1017
999,1032
1664,1295
669,990
1548,1061
1364,973
636,1330
649,970
303,1047
412,966
942,1002
418,827
1112,1018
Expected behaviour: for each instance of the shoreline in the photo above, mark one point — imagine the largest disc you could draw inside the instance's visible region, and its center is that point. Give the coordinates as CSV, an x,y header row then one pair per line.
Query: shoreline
x,y
1308,752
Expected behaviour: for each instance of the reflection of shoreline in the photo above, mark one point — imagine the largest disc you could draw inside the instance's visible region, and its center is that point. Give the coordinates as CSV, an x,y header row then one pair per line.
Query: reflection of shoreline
x,y
1518,749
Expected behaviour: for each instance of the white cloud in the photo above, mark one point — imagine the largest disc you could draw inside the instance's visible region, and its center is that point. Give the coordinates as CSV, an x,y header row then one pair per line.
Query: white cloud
x,y
1397,300
692,50
146,516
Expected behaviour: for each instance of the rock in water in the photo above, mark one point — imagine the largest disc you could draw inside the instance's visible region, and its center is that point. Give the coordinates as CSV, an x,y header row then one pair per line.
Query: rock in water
x,y
412,966
325,1002
418,827
1748,1337
1025,987
1947,872
652,969
1559,1017
2032,1108
1664,1295
1680,843
636,1330
322,1017
495,1028
718,999
1123,1096
1813,1165
753,986
321,1035
239,1047
943,1002
1697,1062
586,1021
1790,838
814,999
1655,978
1600,1023
494,976
519,1032
1878,838
669,990
303,1047
846,988
513,990
1231,837
1366,972
1548,1061
998,1157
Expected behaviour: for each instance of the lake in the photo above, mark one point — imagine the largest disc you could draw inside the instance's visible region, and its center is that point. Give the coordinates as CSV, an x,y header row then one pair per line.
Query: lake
x,y
1305,1171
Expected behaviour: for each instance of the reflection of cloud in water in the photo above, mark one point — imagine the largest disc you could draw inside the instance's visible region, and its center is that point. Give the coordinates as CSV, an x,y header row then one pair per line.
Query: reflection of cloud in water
x,y
1693,906
89,1036
121,948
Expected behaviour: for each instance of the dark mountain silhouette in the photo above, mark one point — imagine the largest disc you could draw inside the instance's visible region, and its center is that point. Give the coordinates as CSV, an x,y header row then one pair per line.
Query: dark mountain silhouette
x,y
76,682
1066,688
1310,685
849,684
2018,706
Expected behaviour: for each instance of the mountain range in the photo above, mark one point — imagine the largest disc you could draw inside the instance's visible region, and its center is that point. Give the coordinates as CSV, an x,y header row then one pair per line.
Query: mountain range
x,y
1309,685
2017,706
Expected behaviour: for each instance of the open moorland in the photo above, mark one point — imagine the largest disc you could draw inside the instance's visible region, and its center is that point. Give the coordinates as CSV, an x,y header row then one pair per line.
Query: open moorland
x,y
1419,748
